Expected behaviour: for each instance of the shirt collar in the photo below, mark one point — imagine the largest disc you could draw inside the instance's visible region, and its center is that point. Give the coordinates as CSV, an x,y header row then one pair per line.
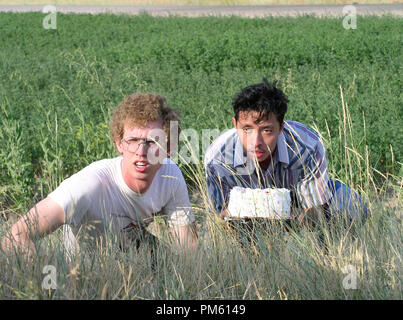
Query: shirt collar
x,y
282,149
239,157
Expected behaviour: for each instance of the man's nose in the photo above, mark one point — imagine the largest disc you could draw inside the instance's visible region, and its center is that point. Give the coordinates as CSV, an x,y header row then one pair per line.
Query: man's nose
x,y
142,149
258,140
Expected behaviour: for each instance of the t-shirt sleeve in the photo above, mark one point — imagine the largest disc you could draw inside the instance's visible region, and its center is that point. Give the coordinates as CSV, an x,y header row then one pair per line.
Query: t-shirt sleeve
x,y
313,190
74,195
178,210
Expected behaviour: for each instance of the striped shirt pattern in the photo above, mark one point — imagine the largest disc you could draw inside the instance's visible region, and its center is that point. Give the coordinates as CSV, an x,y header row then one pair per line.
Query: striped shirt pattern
x,y
299,163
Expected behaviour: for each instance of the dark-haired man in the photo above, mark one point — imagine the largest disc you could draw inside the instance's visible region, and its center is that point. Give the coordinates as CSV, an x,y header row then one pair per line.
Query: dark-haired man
x,y
263,150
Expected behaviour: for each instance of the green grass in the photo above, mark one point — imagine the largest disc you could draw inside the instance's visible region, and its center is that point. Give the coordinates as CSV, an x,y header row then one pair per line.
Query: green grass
x,y
58,87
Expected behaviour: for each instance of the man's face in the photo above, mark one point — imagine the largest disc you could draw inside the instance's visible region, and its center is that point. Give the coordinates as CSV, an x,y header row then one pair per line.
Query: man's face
x,y
141,157
258,136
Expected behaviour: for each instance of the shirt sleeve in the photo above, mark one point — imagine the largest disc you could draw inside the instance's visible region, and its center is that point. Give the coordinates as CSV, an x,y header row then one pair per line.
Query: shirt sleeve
x,y
178,209
74,195
218,187
313,190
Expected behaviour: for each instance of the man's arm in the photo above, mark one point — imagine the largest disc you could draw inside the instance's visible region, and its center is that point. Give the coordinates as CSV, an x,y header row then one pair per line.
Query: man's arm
x,y
44,218
185,236
218,189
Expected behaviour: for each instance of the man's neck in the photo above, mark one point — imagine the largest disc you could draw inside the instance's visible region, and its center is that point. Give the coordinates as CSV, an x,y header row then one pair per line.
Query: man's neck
x,y
264,165
139,186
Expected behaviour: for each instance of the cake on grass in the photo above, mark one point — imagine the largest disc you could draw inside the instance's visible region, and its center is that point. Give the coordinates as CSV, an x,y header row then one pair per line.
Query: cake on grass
x,y
271,203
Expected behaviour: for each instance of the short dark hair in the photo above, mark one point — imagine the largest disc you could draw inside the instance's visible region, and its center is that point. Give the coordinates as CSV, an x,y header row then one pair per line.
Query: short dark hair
x,y
263,98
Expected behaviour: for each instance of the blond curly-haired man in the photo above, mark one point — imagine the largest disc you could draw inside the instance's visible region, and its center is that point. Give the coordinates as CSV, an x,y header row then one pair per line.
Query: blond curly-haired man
x,y
120,195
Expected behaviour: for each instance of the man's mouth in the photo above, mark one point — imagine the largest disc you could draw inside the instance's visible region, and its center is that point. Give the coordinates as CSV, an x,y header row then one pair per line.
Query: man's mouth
x,y
141,166
259,154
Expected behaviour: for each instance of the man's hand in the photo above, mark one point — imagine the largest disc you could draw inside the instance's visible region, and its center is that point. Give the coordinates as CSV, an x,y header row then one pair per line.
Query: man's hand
x,y
224,213
185,236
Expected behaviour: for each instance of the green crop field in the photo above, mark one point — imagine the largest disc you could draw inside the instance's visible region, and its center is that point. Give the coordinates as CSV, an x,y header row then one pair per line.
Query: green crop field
x,y
58,87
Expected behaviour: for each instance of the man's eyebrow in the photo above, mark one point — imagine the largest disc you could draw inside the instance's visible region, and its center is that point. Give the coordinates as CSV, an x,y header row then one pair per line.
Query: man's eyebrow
x,y
138,138
246,125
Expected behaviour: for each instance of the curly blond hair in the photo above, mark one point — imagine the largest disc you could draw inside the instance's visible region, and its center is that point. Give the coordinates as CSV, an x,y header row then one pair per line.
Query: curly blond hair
x,y
140,108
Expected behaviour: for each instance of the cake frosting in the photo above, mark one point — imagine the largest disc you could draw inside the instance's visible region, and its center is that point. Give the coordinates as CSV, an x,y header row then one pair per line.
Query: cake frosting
x,y
272,203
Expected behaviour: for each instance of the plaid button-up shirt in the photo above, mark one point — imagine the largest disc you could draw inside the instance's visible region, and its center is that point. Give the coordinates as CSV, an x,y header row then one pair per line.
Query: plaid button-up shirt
x,y
299,163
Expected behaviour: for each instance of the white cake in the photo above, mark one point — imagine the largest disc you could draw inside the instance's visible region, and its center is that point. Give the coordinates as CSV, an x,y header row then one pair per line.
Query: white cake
x,y
269,203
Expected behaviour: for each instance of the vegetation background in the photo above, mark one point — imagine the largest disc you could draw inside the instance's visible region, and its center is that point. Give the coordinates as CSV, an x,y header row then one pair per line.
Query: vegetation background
x,y
192,2
58,87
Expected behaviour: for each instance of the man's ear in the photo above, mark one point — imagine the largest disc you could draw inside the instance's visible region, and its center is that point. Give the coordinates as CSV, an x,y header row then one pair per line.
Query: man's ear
x,y
119,146
168,153
171,148
234,122
282,126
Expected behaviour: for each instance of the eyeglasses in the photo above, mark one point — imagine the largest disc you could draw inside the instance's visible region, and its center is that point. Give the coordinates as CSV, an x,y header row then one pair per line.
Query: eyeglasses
x,y
133,143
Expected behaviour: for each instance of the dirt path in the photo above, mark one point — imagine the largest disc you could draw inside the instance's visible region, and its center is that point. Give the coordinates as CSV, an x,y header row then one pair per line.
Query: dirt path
x,y
244,11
